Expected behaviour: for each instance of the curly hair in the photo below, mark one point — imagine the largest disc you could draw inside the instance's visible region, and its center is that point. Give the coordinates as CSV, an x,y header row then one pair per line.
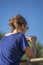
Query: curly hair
x,y
17,20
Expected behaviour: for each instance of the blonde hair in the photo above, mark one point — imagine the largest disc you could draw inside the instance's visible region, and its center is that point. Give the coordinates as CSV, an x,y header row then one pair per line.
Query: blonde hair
x,y
17,20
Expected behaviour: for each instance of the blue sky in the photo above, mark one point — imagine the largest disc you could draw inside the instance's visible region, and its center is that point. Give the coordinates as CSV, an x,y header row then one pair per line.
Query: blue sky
x,y
31,10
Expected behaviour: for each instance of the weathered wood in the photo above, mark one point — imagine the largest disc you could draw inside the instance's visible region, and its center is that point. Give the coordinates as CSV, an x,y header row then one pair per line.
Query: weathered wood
x,y
36,60
33,60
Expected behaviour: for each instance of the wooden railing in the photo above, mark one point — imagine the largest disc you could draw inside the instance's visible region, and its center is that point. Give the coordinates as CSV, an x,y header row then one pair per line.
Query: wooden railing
x,y
35,60
32,60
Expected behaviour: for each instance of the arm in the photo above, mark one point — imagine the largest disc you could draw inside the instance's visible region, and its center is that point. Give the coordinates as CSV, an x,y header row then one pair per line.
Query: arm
x,y
25,47
29,53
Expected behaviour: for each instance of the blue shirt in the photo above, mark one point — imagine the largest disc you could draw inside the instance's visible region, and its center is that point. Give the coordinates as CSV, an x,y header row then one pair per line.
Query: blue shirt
x,y
12,48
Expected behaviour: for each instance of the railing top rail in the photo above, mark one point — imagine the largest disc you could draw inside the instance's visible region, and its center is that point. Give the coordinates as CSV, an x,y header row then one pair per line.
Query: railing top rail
x,y
33,60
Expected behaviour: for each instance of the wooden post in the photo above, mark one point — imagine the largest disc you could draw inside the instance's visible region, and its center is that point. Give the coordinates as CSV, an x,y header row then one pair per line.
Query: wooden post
x,y
34,44
32,39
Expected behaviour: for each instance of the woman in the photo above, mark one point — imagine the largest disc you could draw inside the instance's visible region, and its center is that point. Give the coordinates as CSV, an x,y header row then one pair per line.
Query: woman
x,y
14,44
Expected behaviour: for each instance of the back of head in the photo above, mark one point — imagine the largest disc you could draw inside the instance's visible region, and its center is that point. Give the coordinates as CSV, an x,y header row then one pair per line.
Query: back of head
x,y
17,22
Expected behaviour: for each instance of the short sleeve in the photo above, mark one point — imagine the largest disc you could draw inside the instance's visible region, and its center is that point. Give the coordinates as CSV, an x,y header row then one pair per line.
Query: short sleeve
x,y
23,43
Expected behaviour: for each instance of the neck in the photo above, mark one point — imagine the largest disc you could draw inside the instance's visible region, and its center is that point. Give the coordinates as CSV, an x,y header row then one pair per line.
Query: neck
x,y
16,31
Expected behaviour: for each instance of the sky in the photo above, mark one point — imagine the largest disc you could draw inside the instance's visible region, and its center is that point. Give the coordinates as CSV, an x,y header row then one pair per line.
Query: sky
x,y
31,10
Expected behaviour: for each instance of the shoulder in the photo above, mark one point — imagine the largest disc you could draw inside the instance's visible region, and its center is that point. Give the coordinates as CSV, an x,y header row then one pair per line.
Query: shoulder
x,y
21,36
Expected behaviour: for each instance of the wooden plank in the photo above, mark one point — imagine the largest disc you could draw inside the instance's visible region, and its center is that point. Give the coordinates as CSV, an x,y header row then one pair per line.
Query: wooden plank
x,y
36,60
33,60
